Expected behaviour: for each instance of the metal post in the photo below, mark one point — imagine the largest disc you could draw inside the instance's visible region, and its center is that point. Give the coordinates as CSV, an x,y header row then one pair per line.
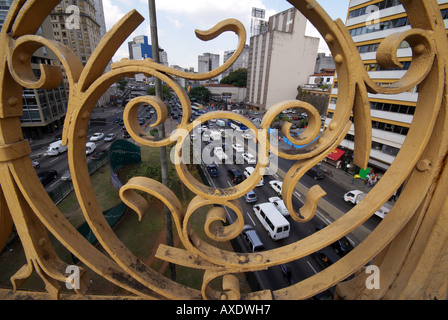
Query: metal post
x,y
163,151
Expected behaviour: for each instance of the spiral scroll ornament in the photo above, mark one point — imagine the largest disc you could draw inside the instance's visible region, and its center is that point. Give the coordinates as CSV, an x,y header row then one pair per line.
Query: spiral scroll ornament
x,y
409,245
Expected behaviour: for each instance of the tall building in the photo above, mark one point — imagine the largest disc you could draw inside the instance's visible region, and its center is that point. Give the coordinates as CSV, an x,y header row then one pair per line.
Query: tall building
x,y
4,8
241,63
280,60
139,48
43,110
208,62
80,25
391,114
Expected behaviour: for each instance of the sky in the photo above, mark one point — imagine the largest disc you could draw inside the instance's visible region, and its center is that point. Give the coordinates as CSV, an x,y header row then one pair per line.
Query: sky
x,y
177,20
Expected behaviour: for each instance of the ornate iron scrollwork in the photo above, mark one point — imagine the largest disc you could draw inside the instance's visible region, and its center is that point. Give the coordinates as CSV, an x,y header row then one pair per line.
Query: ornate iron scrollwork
x,y
414,230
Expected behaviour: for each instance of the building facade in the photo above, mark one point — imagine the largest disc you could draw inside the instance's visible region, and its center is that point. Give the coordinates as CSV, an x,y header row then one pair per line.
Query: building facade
x,y
241,63
391,114
280,60
139,48
208,62
80,25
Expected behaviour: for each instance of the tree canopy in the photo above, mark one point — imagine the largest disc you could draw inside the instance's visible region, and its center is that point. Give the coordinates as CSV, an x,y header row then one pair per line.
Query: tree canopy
x,y
200,93
237,78
165,89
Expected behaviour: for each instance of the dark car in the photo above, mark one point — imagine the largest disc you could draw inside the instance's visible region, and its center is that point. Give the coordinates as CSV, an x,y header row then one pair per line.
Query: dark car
x,y
47,176
235,175
326,257
213,170
341,246
316,173
98,155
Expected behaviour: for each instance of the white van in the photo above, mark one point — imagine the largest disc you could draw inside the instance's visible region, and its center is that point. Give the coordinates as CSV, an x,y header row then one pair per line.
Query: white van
x,y
248,171
90,147
215,135
272,220
56,148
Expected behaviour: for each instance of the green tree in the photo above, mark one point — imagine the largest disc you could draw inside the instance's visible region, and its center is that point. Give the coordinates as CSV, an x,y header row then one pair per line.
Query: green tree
x,y
200,93
122,84
237,78
166,92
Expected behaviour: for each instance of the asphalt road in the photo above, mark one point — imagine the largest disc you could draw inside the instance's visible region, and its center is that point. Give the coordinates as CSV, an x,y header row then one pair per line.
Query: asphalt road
x,y
272,278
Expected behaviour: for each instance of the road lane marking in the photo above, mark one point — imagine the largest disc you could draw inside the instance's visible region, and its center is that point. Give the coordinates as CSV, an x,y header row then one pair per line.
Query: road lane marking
x,y
253,222
311,266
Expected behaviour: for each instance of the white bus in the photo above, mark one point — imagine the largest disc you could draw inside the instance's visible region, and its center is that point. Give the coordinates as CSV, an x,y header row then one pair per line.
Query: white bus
x,y
272,220
237,126
220,123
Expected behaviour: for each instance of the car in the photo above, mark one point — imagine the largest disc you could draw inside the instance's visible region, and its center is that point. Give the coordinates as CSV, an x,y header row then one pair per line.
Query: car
x,y
326,257
46,177
316,173
67,176
97,136
279,205
36,164
247,135
248,171
252,239
212,169
341,246
219,153
109,137
251,197
97,155
235,175
237,147
249,158
276,186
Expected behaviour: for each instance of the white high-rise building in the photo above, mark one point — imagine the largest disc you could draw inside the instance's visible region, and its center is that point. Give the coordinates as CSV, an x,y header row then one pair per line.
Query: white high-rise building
x,y
391,114
280,59
208,62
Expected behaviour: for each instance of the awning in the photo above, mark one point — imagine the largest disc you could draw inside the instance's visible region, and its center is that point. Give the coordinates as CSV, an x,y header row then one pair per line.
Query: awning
x,y
336,154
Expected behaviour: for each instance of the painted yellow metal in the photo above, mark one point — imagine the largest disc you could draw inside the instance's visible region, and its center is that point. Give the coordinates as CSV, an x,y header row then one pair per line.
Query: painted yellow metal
x,y
410,241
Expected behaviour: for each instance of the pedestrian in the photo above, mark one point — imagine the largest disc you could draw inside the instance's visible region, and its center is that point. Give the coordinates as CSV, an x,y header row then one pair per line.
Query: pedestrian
x,y
338,164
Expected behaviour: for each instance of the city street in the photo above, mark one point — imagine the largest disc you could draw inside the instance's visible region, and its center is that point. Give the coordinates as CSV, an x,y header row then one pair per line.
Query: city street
x,y
273,278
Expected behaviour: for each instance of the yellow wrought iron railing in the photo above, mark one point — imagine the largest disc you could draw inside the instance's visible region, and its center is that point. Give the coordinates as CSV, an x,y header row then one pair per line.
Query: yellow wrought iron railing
x,y
409,246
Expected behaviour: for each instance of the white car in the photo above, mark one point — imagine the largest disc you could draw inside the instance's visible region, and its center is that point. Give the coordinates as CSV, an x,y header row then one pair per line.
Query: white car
x,y
279,205
249,158
247,135
219,153
237,147
97,136
276,186
110,137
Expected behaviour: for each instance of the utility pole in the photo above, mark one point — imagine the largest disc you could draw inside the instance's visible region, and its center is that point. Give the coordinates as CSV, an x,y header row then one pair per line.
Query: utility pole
x,y
163,151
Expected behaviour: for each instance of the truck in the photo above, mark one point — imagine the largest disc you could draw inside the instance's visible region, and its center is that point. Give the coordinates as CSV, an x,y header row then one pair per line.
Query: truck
x,y
354,196
56,148
90,147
